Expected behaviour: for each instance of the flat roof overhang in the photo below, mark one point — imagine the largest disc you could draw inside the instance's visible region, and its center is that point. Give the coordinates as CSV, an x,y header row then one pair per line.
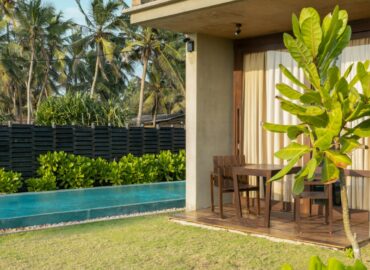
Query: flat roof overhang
x,y
218,17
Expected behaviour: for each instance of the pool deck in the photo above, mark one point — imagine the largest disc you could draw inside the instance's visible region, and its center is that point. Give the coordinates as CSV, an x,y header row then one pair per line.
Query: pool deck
x,y
283,228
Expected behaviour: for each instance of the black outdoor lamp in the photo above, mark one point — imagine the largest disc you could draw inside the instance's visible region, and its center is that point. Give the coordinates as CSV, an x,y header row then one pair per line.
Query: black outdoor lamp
x,y
190,46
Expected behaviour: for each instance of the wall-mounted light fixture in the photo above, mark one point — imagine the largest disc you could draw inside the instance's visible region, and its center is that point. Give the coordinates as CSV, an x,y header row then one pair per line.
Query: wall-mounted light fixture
x,y
190,45
238,29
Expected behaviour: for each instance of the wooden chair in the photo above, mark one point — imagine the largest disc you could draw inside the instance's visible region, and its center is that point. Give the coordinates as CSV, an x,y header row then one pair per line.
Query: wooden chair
x,y
222,178
326,194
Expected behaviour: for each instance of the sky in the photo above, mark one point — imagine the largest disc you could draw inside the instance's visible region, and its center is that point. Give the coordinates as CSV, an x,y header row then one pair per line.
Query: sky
x,y
70,8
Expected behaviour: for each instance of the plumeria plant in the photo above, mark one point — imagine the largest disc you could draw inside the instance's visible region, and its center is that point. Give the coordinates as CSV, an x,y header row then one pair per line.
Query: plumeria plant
x,y
327,107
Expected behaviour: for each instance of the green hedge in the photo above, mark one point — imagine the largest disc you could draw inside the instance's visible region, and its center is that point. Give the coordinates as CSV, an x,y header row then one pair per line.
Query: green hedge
x,y
10,182
59,170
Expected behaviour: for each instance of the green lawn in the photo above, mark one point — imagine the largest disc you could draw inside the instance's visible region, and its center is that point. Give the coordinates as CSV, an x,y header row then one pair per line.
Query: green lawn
x,y
151,242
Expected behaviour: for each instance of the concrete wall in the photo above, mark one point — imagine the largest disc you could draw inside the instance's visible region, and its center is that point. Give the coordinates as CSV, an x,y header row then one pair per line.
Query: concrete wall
x,y
209,101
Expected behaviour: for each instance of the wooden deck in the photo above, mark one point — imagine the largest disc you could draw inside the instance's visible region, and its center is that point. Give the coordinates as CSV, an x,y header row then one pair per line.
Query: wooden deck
x,y
314,231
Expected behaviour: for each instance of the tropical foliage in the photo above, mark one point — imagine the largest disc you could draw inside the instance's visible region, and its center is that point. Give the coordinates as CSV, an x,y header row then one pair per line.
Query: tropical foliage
x,y
43,54
10,182
59,170
80,109
334,115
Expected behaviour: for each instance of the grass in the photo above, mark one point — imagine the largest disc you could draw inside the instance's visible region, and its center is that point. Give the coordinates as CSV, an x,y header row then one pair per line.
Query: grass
x,y
151,242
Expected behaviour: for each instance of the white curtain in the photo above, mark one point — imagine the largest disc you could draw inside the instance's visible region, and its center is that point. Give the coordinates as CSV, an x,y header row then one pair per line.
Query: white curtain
x,y
261,74
274,114
358,188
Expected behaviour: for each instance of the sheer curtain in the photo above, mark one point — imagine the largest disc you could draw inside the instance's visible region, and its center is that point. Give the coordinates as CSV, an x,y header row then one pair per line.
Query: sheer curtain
x,y
261,74
358,188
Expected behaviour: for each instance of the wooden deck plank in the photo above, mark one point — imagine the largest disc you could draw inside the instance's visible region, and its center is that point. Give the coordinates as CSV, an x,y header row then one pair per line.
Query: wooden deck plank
x,y
283,226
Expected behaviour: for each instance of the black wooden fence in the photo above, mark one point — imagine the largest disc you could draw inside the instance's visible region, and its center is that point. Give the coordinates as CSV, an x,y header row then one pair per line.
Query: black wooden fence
x,y
20,145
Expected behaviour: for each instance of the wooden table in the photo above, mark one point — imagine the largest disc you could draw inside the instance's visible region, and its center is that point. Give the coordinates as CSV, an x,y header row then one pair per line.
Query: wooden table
x,y
260,170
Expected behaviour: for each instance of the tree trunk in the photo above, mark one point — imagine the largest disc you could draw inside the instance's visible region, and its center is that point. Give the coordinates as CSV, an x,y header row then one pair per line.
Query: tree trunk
x,y
30,72
142,87
346,219
155,113
20,105
92,91
43,89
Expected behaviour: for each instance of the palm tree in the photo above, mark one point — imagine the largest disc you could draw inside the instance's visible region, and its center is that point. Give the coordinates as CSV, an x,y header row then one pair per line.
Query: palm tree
x,y
33,20
162,96
53,52
152,44
101,25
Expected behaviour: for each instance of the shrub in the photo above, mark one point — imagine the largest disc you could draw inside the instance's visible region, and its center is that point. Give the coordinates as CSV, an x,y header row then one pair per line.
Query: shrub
x,y
80,109
333,264
45,183
10,181
62,170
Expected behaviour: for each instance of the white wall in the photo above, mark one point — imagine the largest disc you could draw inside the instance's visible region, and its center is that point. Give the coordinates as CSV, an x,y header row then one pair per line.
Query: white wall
x,y
209,101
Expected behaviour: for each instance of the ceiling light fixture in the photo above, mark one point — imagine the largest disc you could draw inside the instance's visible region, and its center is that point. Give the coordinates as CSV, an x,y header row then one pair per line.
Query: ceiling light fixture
x,y
238,29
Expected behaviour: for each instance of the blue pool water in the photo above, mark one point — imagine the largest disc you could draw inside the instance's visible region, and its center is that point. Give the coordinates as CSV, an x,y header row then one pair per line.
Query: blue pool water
x,y
29,209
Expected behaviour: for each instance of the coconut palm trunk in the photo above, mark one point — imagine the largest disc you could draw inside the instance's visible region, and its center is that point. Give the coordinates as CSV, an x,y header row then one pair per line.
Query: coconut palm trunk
x,y
142,87
43,89
93,86
155,112
346,219
30,72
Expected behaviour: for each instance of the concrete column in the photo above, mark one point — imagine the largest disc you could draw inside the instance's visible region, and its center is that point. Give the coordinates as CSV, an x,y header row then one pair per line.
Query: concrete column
x,y
209,102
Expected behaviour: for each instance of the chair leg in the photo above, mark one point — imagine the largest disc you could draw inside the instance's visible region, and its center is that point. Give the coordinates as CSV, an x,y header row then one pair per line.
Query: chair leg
x,y
298,214
212,194
330,208
247,200
220,199
258,202
310,207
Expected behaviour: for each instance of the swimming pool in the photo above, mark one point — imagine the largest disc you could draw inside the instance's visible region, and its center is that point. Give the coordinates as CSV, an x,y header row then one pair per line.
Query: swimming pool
x,y
29,209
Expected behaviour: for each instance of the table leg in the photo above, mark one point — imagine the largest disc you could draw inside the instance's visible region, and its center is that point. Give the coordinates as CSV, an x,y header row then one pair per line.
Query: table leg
x,y
267,202
237,196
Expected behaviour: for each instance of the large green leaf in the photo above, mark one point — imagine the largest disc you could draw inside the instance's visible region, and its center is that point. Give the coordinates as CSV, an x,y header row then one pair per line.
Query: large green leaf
x,y
316,121
276,128
296,26
312,34
342,87
298,186
324,139
313,97
343,16
309,13
292,78
362,130
348,145
340,160
329,171
291,107
296,130
286,169
314,77
313,111
298,50
288,91
360,111
364,78
292,151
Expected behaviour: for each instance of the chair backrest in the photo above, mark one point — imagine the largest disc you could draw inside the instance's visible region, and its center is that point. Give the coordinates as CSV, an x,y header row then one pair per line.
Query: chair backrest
x,y
224,164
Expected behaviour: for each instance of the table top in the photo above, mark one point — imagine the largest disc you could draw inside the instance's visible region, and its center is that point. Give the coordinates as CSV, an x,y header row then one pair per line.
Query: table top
x,y
262,169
